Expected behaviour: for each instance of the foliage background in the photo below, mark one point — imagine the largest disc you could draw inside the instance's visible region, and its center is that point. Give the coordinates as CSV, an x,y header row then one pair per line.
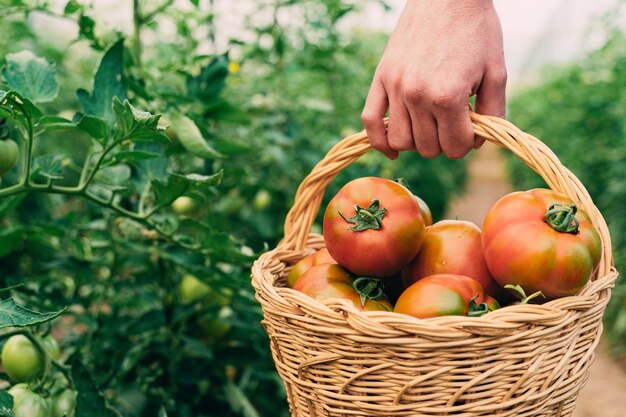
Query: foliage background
x,y
264,111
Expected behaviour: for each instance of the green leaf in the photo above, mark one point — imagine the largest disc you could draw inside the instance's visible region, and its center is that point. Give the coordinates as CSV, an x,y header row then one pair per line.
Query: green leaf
x,y
95,127
72,7
207,85
90,401
17,106
238,400
191,137
6,404
13,315
139,126
114,178
48,167
8,204
178,185
86,29
33,77
11,238
108,83
48,120
131,156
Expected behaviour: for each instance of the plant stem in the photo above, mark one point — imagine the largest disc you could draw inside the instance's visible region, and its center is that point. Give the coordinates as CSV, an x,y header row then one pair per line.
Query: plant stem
x,y
137,22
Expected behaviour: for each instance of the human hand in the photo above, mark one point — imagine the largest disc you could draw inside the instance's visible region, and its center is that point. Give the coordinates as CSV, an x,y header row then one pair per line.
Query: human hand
x,y
440,53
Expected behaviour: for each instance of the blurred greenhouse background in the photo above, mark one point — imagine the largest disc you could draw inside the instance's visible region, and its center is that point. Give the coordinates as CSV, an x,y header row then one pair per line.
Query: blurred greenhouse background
x,y
159,308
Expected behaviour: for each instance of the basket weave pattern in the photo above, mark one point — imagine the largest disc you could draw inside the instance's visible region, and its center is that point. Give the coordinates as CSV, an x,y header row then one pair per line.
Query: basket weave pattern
x,y
522,360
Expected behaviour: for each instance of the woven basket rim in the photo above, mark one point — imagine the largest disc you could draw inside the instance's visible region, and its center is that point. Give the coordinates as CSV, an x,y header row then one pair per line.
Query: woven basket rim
x,y
502,321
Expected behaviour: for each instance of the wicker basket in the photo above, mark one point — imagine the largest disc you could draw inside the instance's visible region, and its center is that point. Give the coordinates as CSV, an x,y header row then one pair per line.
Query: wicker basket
x,y
523,360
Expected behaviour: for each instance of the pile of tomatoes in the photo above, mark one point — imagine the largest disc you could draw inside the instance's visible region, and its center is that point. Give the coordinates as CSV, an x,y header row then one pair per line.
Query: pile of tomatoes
x,y
37,392
384,253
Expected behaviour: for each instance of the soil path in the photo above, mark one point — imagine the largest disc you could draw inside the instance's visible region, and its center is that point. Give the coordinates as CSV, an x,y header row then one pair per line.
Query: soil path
x,y
604,395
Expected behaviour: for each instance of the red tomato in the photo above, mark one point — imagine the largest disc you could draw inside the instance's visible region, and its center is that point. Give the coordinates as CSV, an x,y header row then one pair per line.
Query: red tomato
x,y
320,257
445,295
326,281
540,241
425,212
373,227
452,247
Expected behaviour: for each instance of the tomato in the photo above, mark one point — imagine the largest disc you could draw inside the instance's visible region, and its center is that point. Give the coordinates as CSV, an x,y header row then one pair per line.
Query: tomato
x,y
326,281
27,403
425,212
64,404
191,289
539,240
9,152
373,227
452,247
20,359
261,200
184,205
320,257
51,346
445,295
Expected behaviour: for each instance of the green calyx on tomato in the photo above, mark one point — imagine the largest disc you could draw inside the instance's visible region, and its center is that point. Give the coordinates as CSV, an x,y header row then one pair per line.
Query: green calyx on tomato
x,y
562,217
370,218
368,289
479,309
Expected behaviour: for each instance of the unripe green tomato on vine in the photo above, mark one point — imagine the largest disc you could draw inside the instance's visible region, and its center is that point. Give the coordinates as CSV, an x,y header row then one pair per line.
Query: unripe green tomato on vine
x,y
27,403
20,359
64,404
184,205
9,152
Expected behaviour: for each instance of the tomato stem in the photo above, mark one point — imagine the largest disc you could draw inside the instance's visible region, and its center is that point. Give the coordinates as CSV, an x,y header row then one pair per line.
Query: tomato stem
x,y
370,218
521,294
562,217
368,289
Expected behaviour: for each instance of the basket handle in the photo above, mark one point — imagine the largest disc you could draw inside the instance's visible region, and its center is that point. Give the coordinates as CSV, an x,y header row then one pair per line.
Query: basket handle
x,y
529,149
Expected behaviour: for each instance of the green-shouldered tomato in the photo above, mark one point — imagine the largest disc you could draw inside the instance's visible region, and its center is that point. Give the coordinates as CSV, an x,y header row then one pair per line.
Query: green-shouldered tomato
x,y
445,295
373,227
326,281
541,241
453,247
320,257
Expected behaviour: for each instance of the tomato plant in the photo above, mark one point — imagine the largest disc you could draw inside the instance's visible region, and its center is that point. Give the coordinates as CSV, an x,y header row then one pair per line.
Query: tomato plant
x,y
373,227
320,257
89,227
541,241
452,247
326,281
445,295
